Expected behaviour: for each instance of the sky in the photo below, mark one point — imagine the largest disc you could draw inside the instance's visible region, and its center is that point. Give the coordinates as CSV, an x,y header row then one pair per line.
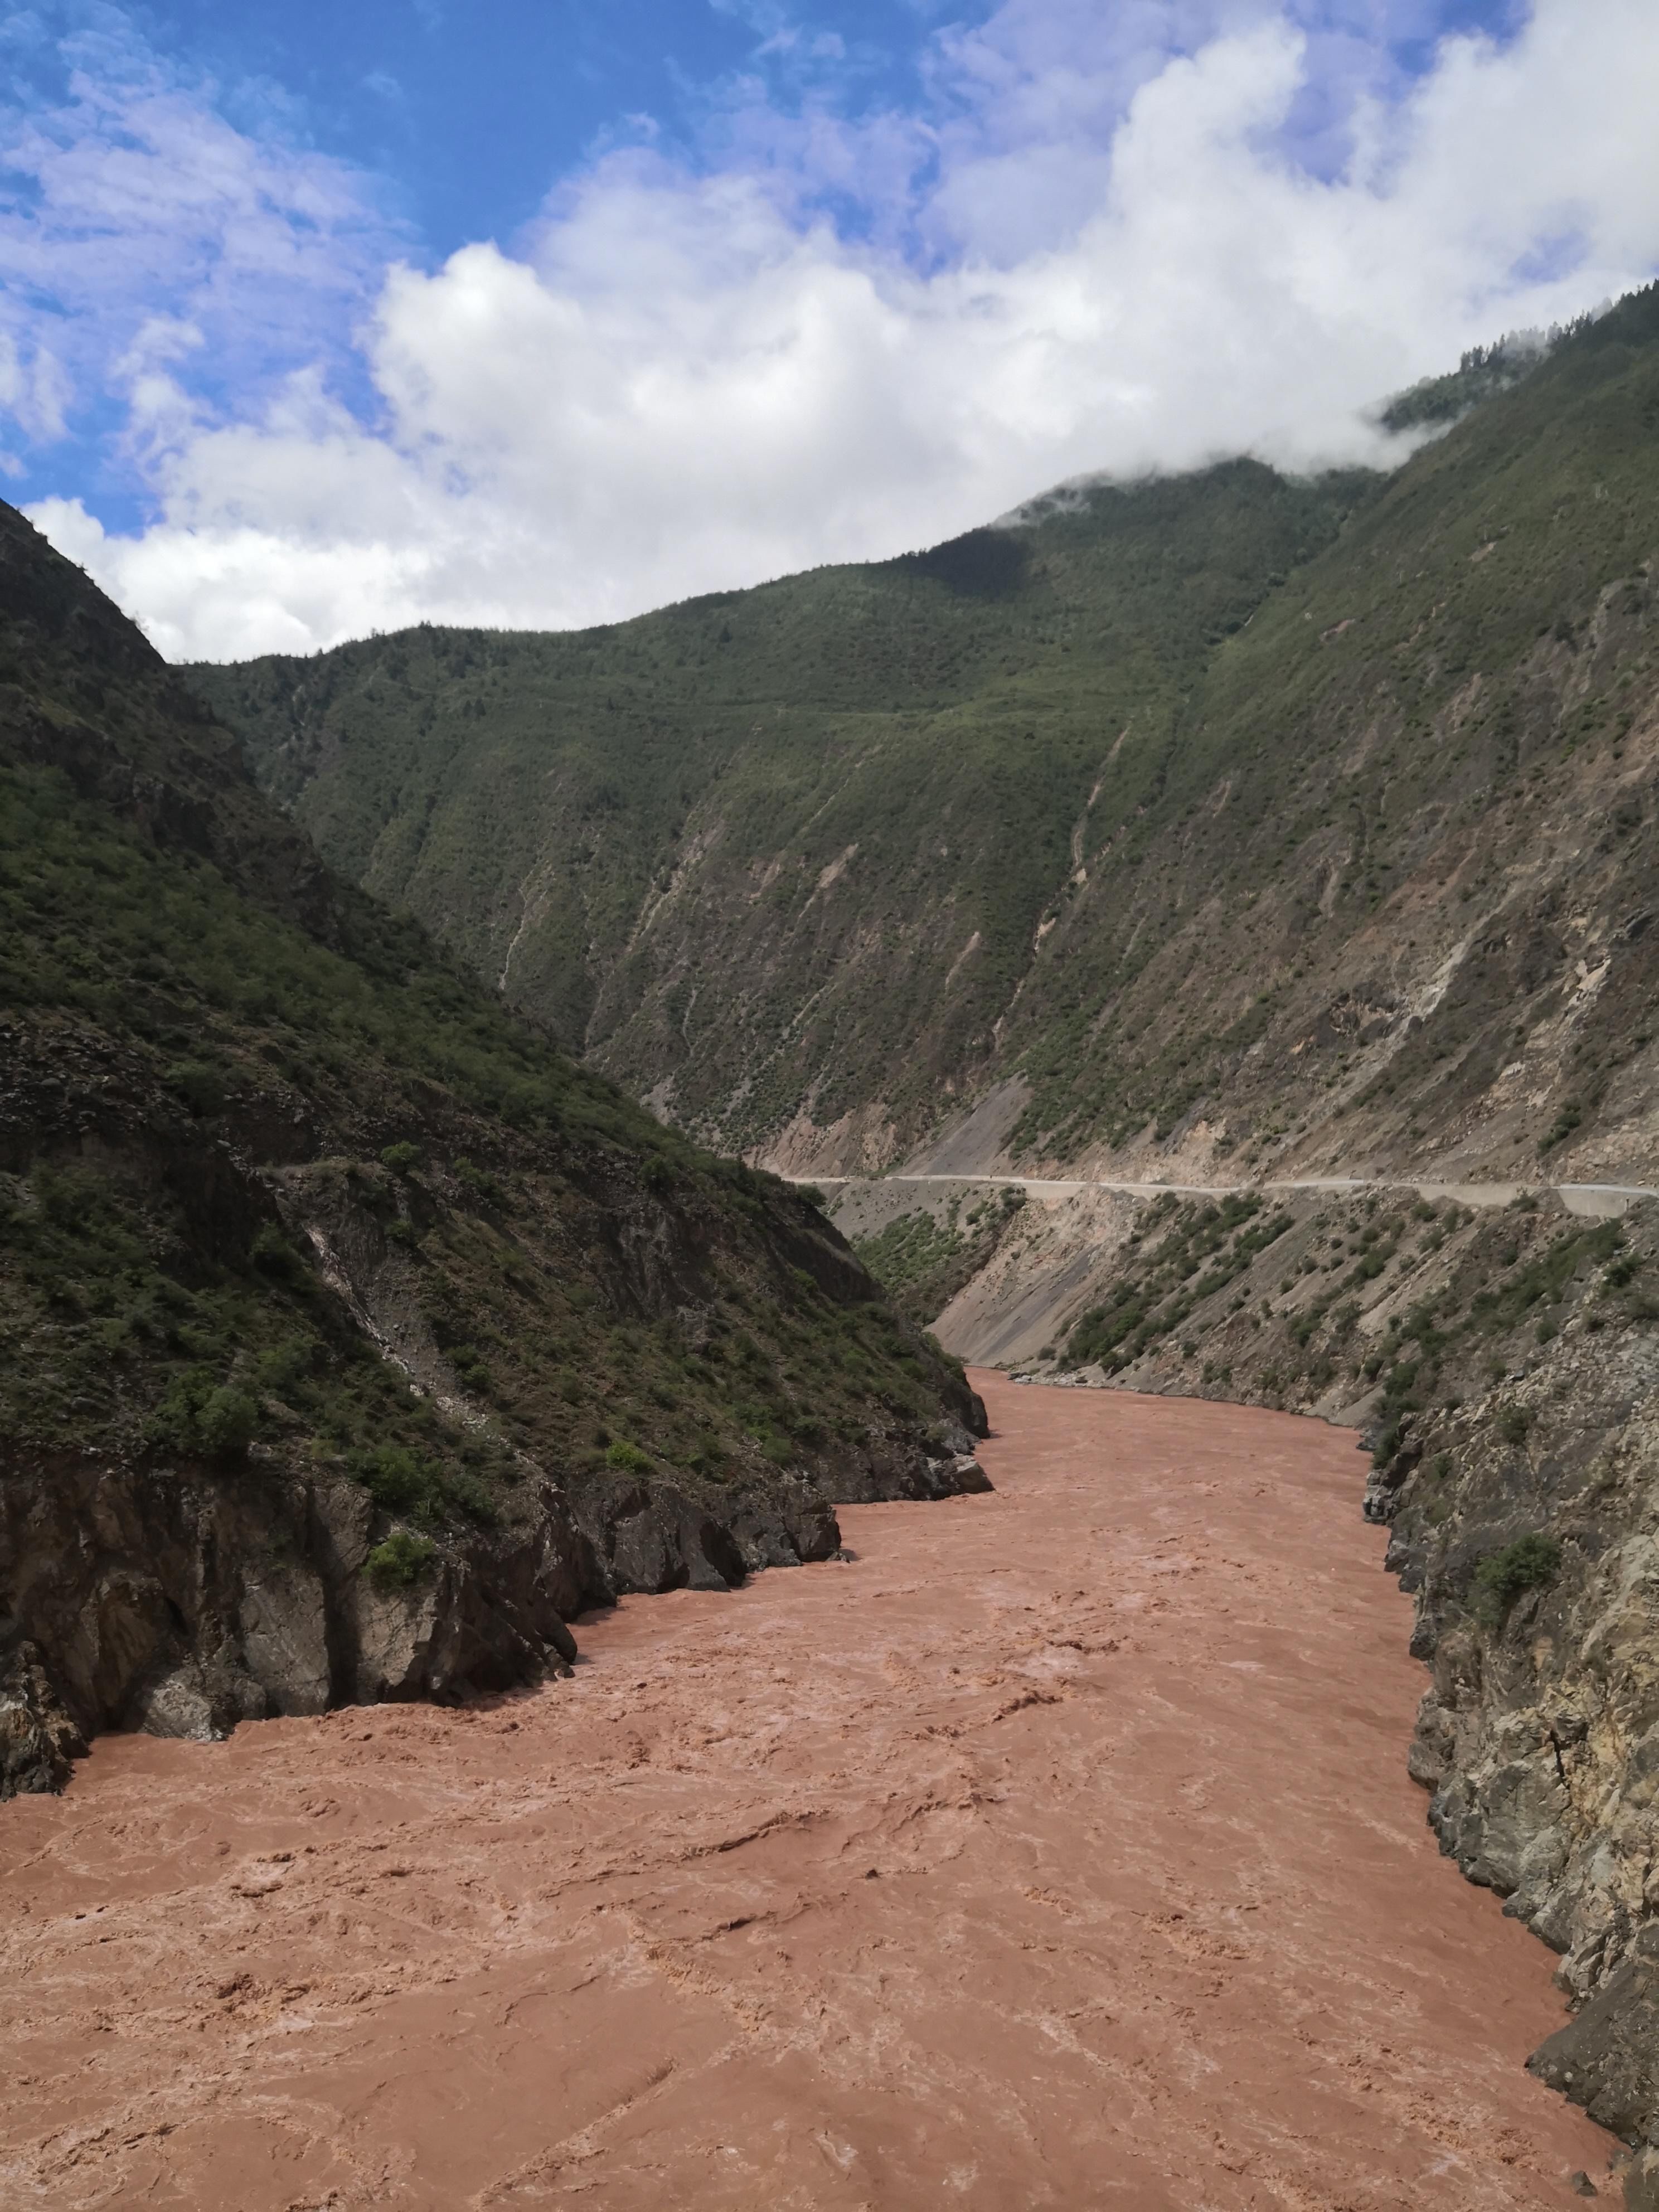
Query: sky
x,y
320,319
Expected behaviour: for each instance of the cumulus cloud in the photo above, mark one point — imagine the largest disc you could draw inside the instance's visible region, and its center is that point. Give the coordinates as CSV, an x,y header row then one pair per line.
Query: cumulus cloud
x,y
1134,247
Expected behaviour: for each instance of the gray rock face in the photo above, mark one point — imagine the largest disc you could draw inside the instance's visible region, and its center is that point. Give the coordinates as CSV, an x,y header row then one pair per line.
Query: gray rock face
x,y
38,1739
1538,1737
1608,2059
184,1600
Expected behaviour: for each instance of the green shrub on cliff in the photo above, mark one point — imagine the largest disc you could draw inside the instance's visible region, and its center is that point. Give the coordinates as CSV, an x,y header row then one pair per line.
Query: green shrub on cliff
x,y
401,1561
205,1418
1528,1562
200,1087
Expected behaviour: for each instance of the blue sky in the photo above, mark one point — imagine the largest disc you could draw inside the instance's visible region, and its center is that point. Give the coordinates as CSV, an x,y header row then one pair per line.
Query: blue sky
x,y
471,110
315,316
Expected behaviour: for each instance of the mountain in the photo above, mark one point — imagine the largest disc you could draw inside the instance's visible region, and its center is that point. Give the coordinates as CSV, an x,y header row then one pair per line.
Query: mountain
x,y
850,796
1202,826
351,1338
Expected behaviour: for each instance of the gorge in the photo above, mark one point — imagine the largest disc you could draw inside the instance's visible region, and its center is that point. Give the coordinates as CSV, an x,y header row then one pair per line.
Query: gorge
x,y
498,1127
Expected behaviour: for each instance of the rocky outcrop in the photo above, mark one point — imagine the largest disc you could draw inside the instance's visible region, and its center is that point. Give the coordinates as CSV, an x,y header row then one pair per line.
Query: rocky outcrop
x,y
38,1738
1526,1527
140,1589
182,1599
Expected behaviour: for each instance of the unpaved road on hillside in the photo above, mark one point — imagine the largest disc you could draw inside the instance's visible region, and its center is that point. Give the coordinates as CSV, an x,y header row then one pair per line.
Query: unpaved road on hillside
x,y
1057,1851
1592,1199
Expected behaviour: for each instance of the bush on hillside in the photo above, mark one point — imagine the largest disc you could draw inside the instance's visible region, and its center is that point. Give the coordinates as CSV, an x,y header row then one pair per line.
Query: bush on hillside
x,y
1528,1562
401,1561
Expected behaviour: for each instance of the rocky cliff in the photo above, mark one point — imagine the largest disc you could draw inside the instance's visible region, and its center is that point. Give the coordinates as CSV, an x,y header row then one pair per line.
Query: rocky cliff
x,y
1527,1525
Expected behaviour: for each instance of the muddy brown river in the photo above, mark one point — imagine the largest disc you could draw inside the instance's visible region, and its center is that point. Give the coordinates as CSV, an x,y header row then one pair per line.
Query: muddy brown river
x,y
1055,1850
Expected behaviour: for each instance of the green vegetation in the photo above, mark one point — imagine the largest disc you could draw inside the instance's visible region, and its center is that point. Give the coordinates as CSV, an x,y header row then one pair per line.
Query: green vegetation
x,y
924,1262
202,1416
1417,1309
1483,372
1529,1562
914,739
286,1192
101,921
402,1560
1205,1250
1491,1294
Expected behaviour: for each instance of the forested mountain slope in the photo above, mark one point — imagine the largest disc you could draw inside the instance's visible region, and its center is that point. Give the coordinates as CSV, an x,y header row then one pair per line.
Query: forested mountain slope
x,y
349,1336
1220,821
781,854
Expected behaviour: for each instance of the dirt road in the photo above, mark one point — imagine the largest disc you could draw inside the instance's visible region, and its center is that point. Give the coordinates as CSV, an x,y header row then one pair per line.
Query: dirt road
x,y
1595,1201
1055,1850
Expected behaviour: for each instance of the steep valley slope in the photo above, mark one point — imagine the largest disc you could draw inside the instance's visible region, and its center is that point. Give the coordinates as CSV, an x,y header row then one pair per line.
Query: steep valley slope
x,y
1216,827
351,1338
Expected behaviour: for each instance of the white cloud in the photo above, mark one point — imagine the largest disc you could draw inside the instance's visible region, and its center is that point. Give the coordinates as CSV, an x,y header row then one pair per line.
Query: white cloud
x,y
35,389
683,381
130,207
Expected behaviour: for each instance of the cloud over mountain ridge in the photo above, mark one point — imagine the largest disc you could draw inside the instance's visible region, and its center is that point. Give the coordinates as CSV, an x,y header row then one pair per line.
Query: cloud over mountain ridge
x,y
823,334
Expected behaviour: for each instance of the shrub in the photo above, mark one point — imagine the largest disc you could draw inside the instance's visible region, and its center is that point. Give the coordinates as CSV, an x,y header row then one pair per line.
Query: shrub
x,y
1513,1423
227,1424
464,1490
401,1561
1502,1576
200,1087
479,1182
273,1256
401,1159
626,1458
399,1478
284,1366
203,1417
1566,1120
